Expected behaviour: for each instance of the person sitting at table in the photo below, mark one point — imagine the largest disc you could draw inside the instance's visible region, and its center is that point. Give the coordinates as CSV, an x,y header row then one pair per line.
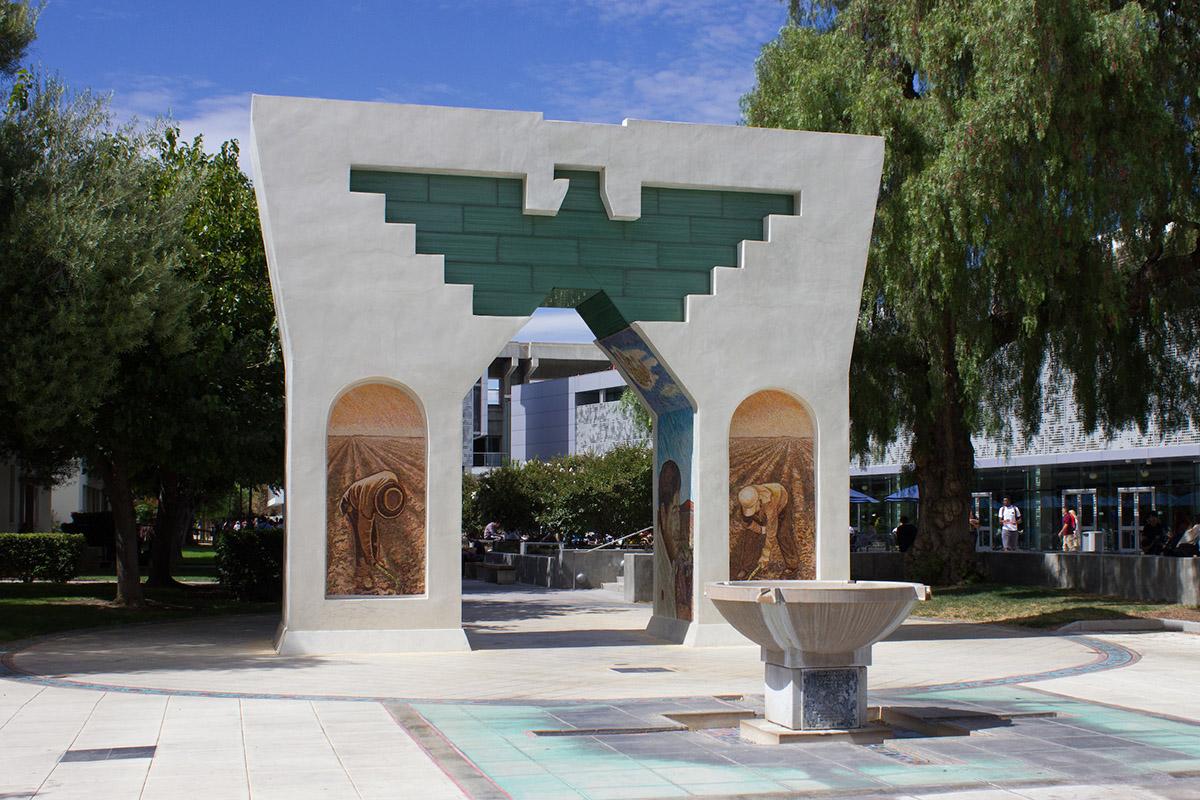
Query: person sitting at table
x,y
1152,535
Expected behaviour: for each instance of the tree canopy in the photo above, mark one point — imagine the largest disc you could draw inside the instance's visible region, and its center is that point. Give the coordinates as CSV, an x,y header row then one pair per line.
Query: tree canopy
x,y
1037,220
136,320
17,31
217,407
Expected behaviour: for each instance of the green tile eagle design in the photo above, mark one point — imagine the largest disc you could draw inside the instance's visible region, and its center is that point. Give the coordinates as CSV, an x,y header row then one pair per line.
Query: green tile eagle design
x,y
612,272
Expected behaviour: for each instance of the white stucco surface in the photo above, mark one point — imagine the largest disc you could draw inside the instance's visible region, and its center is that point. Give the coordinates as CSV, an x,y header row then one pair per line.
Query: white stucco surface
x,y
356,303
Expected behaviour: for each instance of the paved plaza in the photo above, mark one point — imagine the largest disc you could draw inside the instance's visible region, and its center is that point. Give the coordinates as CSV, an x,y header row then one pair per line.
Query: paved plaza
x,y
564,696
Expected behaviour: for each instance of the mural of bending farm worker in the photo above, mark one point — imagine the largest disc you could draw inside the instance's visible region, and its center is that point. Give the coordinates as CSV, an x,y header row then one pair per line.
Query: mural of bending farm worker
x,y
674,525
375,494
772,489
378,495
761,506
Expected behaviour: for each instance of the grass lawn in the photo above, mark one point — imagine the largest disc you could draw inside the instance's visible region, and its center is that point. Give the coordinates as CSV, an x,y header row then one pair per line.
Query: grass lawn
x,y
198,566
1037,607
33,609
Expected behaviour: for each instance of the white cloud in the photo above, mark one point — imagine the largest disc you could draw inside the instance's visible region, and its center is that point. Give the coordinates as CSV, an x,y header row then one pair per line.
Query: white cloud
x,y
555,325
146,99
220,119
701,79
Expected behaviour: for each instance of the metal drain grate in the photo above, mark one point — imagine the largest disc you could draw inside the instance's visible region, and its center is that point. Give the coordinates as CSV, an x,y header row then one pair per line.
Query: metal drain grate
x,y
900,753
641,669
108,753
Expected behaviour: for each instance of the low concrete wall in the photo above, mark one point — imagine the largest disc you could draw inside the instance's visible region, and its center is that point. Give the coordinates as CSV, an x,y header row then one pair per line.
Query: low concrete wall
x,y
569,569
1150,578
639,577
1135,577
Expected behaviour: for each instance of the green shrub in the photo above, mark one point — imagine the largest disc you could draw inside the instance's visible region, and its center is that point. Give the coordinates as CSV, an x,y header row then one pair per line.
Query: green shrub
x,y
607,494
40,556
511,495
250,563
472,521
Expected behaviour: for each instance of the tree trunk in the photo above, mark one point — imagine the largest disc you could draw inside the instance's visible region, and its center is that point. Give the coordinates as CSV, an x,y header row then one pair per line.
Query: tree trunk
x,y
125,545
176,510
944,466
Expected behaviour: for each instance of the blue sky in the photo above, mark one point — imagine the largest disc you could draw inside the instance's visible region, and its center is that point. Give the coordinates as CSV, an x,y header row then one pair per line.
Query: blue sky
x,y
587,60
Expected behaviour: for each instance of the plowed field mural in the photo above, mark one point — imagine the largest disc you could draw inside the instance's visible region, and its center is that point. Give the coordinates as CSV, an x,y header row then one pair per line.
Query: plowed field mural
x,y
772,497
375,514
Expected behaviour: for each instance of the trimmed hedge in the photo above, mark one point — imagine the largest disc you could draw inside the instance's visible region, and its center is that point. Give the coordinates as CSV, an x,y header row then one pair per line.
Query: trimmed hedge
x,y
40,556
250,563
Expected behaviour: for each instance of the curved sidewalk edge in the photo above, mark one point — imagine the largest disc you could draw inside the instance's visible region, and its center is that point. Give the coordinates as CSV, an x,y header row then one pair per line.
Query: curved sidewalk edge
x,y
1108,656
1130,624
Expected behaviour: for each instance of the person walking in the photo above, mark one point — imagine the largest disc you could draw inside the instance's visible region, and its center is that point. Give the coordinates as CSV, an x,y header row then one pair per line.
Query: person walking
x,y
1068,531
1010,525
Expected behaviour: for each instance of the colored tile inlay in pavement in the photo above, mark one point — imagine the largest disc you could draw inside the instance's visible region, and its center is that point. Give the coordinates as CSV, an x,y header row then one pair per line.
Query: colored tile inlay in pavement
x,y
1083,742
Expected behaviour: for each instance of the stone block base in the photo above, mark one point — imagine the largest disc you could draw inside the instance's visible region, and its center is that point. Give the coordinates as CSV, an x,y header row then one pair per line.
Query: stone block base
x,y
816,699
760,731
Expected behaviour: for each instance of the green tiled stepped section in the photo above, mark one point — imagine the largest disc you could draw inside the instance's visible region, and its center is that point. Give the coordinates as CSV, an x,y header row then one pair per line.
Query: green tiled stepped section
x,y
613,272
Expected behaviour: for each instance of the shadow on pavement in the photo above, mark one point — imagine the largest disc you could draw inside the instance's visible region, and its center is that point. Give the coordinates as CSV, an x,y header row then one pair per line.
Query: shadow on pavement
x,y
485,639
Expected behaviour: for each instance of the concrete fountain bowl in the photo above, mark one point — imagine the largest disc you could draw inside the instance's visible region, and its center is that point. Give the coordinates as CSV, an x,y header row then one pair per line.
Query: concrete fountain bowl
x,y
815,623
816,639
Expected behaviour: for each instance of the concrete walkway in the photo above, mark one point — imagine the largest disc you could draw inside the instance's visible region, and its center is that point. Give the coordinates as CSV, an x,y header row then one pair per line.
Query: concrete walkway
x,y
205,709
529,644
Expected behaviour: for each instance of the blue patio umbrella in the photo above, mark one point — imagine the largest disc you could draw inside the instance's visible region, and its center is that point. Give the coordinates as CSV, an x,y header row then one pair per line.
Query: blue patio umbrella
x,y
859,497
906,495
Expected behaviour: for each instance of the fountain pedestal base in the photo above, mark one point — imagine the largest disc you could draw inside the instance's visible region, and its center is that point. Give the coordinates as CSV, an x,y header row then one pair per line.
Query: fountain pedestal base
x,y
816,698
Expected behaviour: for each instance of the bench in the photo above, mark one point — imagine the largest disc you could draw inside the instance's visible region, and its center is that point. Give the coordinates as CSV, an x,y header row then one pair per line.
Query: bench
x,y
495,573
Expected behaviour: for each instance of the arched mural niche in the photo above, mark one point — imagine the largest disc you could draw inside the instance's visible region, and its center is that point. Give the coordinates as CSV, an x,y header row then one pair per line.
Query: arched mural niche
x,y
375,493
772,489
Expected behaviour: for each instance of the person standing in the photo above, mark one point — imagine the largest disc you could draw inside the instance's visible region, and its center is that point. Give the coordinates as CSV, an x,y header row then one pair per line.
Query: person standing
x,y
1010,525
906,534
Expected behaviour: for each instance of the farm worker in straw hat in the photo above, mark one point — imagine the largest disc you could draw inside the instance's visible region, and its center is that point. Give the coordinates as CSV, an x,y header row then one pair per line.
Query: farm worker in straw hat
x,y
762,504
377,495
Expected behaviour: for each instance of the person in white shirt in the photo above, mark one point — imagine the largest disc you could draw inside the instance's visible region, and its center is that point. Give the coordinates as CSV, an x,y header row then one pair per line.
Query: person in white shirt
x,y
1188,544
1010,524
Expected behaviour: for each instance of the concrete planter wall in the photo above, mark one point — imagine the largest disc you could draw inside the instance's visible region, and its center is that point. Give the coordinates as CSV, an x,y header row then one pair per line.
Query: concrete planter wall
x,y
639,577
1150,578
562,570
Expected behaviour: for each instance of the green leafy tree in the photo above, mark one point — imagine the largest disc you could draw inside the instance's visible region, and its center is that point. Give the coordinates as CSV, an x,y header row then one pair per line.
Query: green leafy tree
x,y
635,409
91,238
136,312
1038,215
217,407
18,29
472,521
511,495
